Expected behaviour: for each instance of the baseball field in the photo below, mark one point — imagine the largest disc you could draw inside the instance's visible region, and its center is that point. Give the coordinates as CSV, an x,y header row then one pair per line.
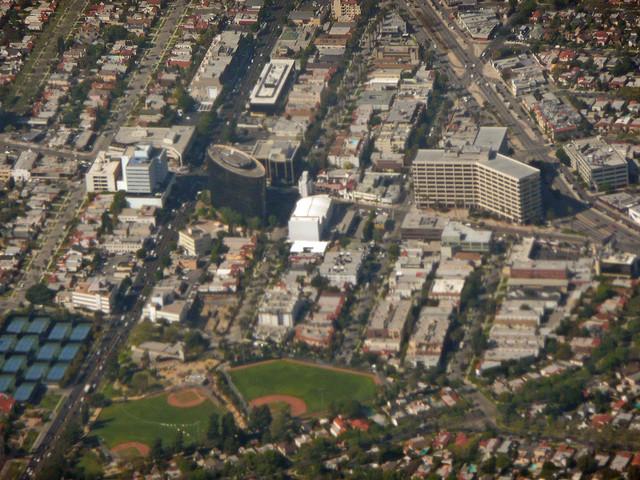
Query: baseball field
x,y
306,387
134,425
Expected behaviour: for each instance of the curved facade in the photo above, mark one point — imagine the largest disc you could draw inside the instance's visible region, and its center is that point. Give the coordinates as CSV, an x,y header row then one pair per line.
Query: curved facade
x,y
238,181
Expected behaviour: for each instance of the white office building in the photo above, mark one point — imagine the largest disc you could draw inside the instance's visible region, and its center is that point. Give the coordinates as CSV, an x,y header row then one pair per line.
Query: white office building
x,y
96,295
145,170
599,164
477,179
271,83
310,218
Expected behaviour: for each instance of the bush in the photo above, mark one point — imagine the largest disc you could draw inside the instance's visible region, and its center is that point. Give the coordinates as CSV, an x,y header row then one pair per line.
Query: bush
x,y
39,294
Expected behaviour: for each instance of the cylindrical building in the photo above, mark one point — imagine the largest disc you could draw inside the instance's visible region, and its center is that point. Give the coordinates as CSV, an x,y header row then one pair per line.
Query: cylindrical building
x,y
238,181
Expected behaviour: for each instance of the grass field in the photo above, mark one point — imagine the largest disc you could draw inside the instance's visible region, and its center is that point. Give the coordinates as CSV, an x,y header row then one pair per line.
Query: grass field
x,y
317,386
145,420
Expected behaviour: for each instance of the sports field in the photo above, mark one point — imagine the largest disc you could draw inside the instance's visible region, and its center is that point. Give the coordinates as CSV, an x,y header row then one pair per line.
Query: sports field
x,y
145,420
317,386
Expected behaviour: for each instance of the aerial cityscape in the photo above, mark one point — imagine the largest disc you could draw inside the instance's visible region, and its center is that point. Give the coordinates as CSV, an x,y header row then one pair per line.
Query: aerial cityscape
x,y
319,239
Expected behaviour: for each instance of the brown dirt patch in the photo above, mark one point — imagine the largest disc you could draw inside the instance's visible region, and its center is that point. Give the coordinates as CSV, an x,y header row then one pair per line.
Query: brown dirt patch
x,y
297,405
131,449
186,398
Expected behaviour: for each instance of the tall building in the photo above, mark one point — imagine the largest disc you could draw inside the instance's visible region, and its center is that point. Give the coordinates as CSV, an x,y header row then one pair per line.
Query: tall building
x,y
145,170
599,164
238,180
477,179
305,185
345,10
103,174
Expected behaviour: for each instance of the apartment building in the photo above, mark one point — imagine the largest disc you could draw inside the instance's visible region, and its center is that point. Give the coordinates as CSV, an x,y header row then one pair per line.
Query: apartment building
x,y
427,342
279,308
599,164
477,179
386,326
96,294
345,10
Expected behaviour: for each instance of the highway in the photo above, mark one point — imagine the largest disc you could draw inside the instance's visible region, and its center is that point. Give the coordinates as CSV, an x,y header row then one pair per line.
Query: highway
x,y
569,201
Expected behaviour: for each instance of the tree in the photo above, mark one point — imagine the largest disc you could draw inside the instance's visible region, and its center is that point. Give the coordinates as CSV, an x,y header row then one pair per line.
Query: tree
x,y
61,45
106,225
178,445
260,418
367,231
145,360
39,294
140,381
279,425
157,452
184,101
213,432
194,344
119,202
229,433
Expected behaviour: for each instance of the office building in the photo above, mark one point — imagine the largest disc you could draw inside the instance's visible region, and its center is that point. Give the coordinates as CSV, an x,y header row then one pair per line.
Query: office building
x,y
477,179
278,157
271,84
103,174
96,295
345,10
457,236
418,226
194,241
310,218
145,169
342,268
238,181
599,164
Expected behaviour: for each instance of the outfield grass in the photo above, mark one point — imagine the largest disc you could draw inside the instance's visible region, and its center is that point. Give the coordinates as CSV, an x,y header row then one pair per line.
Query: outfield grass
x,y
317,386
145,420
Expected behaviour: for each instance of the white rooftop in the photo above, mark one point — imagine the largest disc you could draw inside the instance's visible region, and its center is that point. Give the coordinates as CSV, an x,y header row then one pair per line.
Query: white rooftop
x,y
315,206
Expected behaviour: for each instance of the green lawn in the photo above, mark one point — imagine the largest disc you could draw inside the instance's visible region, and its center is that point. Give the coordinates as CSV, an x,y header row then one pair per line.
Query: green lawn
x,y
151,418
317,386
50,401
90,465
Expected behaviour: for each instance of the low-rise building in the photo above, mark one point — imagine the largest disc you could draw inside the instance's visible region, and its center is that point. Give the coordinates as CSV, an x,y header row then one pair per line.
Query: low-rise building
x,y
342,268
279,308
599,165
427,341
97,294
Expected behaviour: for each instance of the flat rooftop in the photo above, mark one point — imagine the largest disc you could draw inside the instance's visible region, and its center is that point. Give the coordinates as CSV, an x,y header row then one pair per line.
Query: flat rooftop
x,y
175,139
271,82
491,138
417,220
500,163
595,152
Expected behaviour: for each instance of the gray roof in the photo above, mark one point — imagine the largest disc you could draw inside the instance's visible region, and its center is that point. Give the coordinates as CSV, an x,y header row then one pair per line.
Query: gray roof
x,y
500,163
511,167
491,138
